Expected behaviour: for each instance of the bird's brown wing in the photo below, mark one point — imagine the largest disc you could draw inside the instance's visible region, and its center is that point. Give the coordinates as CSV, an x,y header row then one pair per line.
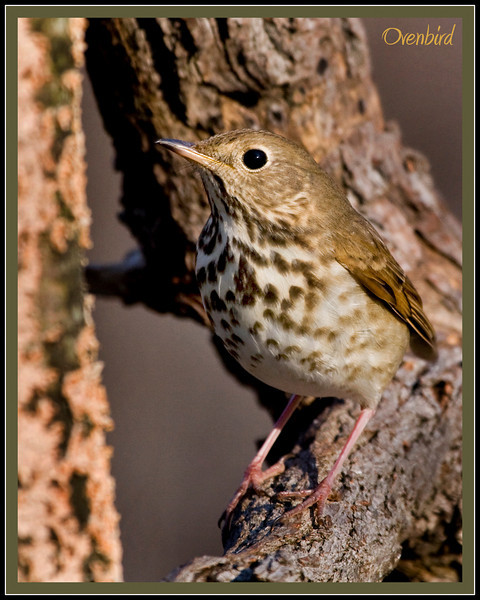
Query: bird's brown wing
x,y
366,257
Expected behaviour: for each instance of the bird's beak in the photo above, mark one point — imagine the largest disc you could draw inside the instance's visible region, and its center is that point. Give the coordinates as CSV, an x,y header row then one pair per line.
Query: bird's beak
x,y
187,150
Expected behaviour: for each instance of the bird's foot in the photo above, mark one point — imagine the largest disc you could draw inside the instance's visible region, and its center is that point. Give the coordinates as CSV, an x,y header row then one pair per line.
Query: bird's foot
x,y
253,477
317,497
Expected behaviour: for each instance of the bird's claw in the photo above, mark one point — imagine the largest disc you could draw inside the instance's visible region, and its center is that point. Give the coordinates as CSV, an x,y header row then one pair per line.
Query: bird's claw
x,y
254,477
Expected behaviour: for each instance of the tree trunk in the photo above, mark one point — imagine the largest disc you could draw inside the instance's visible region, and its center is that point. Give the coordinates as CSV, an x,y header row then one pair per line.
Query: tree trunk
x,y
308,79
67,523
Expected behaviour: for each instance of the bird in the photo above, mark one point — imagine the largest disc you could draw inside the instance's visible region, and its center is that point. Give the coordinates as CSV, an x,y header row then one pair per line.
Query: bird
x,y
299,286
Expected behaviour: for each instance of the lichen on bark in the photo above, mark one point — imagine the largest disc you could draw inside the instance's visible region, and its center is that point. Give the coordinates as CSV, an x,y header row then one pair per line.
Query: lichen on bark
x,y
67,523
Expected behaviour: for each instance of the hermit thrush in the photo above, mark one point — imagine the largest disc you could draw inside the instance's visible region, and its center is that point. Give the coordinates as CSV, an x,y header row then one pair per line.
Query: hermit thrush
x,y
298,285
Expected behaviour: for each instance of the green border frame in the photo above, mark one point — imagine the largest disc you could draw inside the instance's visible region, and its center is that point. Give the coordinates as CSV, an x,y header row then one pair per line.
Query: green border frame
x,y
12,13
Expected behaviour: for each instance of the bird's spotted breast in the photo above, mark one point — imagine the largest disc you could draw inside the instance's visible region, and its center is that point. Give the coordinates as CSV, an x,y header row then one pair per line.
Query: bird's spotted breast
x,y
298,323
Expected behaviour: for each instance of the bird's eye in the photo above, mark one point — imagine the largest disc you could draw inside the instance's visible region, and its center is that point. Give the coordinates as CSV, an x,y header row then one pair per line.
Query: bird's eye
x,y
255,158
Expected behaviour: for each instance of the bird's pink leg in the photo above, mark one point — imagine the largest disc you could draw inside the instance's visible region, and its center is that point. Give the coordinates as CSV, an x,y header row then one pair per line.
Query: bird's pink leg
x,y
254,476
320,494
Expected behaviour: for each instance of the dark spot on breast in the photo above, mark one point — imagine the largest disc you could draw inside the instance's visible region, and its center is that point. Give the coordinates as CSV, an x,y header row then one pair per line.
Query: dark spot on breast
x,y
307,322
257,326
229,343
277,237
361,107
230,296
222,261
295,292
225,257
281,264
320,332
291,349
208,237
302,329
211,272
269,314
304,242
346,319
217,303
210,245
201,276
248,300
233,317
311,300
257,258
271,294
286,322
241,275
272,342
313,281
353,339
301,266
245,280
237,339
286,304
250,252
225,325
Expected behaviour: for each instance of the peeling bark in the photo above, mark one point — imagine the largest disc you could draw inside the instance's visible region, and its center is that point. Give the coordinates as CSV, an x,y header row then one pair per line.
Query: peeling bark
x,y
67,523
307,79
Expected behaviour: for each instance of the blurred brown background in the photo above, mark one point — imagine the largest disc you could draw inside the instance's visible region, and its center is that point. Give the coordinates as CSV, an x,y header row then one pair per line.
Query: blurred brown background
x,y
184,429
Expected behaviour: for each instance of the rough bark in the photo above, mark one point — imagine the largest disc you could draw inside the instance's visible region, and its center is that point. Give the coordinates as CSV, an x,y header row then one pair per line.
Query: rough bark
x,y
308,79
67,523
